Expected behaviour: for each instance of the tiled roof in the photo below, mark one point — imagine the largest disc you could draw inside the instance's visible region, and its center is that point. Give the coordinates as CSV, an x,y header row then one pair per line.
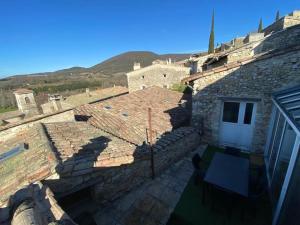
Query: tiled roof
x,y
23,91
84,98
127,116
81,148
98,95
11,114
36,163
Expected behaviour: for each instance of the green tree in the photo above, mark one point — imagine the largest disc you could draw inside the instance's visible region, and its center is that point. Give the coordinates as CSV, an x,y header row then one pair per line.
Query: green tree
x,y
260,26
277,15
211,46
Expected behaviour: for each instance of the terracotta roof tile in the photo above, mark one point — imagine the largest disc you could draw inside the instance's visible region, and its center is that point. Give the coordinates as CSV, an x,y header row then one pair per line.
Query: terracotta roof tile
x,y
80,147
127,116
23,91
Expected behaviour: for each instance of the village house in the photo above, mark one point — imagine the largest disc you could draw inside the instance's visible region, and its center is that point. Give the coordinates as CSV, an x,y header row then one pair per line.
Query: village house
x,y
238,98
57,108
112,155
160,73
245,100
58,103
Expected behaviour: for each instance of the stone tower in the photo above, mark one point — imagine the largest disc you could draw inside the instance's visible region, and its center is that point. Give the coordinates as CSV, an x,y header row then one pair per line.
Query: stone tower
x,y
26,102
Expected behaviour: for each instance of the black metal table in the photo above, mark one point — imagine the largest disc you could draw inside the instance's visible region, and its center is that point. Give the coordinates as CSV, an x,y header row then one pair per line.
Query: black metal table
x,y
229,172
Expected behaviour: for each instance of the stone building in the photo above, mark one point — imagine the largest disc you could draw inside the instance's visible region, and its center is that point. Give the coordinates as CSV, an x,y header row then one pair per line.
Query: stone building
x,y
287,21
238,49
57,103
110,158
161,74
15,120
233,100
241,47
26,102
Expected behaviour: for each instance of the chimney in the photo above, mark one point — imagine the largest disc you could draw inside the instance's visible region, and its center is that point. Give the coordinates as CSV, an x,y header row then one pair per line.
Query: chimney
x,y
56,101
136,66
87,91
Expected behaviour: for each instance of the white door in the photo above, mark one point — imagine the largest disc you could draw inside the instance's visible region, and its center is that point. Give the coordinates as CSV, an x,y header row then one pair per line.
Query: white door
x,y
237,124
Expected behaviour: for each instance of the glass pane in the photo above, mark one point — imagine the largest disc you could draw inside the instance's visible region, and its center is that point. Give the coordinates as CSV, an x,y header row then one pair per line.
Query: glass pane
x,y
290,208
274,125
248,113
283,161
231,112
275,145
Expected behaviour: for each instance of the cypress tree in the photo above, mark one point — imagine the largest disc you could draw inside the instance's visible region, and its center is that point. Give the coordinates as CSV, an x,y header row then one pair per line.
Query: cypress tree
x,y
260,26
211,46
277,15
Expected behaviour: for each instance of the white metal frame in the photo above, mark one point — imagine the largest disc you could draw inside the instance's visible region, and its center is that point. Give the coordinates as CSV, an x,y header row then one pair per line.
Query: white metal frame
x,y
279,148
287,179
269,150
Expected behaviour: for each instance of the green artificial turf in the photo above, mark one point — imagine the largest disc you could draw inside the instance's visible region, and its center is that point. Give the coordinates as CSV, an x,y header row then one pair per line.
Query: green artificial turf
x,y
191,211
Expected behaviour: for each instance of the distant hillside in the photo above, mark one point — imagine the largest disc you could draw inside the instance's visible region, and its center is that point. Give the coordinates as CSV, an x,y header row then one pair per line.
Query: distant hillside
x,y
75,79
124,62
118,64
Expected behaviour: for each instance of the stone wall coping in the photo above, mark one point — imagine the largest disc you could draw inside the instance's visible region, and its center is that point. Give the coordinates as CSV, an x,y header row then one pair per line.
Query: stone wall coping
x,y
169,66
239,63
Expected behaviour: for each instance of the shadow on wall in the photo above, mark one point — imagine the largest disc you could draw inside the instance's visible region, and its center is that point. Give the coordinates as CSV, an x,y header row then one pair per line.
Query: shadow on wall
x,y
255,80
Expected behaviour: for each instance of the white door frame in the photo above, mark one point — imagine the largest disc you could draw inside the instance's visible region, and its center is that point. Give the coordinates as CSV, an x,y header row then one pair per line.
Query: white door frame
x,y
240,122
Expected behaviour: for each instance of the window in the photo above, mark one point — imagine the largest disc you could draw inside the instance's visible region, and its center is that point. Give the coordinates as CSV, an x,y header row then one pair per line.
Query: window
x,y
165,75
27,101
248,113
231,112
143,87
143,77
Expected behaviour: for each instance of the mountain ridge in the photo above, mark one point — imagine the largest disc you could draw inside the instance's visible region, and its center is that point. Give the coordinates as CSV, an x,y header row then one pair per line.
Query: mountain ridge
x,y
118,64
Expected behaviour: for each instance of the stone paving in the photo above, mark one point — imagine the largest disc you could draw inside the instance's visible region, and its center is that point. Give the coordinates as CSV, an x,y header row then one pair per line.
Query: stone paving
x,y
154,201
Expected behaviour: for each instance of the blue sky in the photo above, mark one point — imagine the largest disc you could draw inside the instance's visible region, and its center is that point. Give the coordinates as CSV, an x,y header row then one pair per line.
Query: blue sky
x,y
47,35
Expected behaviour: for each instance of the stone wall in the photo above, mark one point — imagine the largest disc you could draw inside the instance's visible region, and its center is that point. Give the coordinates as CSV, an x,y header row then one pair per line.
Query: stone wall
x,y
253,37
280,40
196,63
284,22
55,106
254,80
156,75
115,182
